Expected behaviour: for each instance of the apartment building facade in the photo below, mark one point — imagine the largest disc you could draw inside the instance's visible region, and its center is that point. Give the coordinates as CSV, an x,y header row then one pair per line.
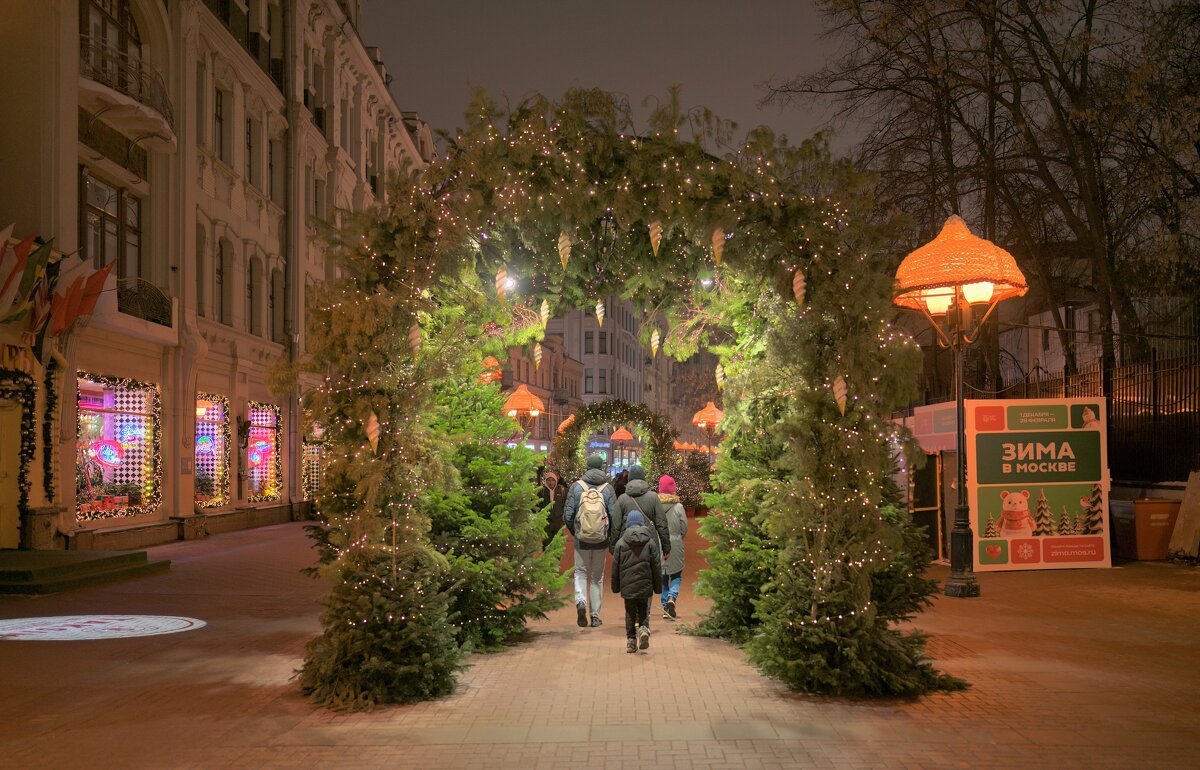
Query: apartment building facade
x,y
202,149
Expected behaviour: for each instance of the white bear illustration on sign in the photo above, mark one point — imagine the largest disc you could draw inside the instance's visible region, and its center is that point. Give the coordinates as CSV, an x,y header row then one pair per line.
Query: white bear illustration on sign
x,y
1015,520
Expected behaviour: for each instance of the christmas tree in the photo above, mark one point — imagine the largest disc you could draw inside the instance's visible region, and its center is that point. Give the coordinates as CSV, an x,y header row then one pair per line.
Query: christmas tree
x,y
990,530
1091,519
487,519
1043,519
1066,523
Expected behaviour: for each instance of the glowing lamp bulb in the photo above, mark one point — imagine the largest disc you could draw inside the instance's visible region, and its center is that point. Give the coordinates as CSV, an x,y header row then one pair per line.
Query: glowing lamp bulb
x,y
510,283
534,412
980,292
938,303
512,412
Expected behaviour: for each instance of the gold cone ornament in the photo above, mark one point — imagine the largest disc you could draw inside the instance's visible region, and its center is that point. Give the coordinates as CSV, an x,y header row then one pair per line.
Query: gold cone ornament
x,y
537,355
564,249
839,393
600,313
720,376
798,287
414,339
655,338
501,280
718,244
655,236
372,428
545,313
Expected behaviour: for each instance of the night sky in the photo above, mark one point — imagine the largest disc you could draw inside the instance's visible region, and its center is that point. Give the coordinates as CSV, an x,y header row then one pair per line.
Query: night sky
x,y
719,52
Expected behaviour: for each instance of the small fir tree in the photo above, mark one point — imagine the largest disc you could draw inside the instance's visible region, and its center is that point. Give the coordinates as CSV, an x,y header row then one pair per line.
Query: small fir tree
x,y
990,529
1091,519
1043,519
1066,523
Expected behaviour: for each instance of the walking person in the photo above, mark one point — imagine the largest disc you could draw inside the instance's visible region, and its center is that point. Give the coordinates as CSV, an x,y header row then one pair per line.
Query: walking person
x,y
671,510
640,498
551,496
590,513
637,576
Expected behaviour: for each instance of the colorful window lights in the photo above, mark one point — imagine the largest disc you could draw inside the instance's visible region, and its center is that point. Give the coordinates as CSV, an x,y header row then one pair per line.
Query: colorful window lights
x,y
263,468
212,450
117,468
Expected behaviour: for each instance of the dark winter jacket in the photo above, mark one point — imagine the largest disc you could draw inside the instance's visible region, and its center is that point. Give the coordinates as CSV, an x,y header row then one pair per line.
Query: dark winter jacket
x,y
639,497
594,477
636,564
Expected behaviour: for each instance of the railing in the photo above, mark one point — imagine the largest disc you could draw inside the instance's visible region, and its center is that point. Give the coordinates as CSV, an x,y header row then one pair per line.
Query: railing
x,y
142,299
125,74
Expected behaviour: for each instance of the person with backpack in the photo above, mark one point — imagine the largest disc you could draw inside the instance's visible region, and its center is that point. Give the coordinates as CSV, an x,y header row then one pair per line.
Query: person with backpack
x,y
670,510
590,512
641,498
637,576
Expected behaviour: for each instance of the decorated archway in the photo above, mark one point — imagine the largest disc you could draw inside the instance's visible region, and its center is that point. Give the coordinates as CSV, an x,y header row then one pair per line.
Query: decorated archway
x,y
568,455
554,206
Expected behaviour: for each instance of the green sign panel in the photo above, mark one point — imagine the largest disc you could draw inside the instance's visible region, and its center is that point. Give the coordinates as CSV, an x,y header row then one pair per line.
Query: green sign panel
x,y
1038,456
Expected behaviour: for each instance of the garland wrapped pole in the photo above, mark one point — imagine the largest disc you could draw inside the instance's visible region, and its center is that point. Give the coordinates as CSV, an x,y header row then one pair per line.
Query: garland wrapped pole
x,y
826,562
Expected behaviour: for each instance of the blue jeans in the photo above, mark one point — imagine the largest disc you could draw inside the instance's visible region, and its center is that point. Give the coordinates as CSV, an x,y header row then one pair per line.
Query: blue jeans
x,y
670,587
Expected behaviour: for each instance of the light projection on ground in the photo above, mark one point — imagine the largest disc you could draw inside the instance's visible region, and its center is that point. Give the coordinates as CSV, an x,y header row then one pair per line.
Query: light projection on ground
x,y
79,627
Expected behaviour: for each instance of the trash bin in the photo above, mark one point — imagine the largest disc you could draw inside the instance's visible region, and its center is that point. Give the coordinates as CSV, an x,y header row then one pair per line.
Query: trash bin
x,y
1143,530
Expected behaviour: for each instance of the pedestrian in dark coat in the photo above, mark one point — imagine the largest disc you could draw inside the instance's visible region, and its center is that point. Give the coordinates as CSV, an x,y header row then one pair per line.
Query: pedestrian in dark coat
x,y
637,576
641,498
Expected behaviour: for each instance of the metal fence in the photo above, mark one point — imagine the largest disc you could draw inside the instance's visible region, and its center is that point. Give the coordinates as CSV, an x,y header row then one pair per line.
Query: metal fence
x,y
1153,417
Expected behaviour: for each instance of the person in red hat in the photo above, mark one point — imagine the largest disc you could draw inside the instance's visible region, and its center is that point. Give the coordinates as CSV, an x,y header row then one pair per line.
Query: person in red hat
x,y
670,511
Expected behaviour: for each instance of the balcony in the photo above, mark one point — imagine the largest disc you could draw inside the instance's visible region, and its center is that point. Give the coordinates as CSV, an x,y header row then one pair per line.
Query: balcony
x,y
142,299
131,94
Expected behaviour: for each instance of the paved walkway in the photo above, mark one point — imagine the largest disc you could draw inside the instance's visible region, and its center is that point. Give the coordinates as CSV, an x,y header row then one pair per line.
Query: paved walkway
x,y
1069,669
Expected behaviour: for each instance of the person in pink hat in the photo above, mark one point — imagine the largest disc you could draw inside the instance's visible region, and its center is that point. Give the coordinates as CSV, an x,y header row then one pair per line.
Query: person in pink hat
x,y
670,510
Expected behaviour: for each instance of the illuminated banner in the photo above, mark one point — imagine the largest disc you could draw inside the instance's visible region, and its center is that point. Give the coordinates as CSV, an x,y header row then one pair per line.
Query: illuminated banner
x,y
1038,483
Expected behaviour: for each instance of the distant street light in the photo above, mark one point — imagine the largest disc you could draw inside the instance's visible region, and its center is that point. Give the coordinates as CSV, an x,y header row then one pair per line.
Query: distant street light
x,y
708,420
523,405
950,280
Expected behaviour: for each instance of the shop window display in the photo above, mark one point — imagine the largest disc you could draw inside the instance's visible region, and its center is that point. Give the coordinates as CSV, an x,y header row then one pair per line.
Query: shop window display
x,y
314,462
263,468
212,450
117,468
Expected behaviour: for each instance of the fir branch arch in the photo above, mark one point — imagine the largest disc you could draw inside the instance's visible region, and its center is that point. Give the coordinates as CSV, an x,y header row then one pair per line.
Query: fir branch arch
x,y
568,455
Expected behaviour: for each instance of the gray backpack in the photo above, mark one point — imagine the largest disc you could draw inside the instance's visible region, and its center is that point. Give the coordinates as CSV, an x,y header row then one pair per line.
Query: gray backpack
x,y
592,516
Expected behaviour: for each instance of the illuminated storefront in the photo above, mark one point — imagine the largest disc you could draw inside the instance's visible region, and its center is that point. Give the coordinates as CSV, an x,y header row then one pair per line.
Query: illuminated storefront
x,y
264,475
212,450
117,469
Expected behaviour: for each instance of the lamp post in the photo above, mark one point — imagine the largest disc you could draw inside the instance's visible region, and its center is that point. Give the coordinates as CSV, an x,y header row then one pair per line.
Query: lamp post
x,y
619,437
522,405
956,280
707,420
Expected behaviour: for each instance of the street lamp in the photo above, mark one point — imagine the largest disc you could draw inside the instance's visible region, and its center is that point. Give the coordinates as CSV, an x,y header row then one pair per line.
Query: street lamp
x,y
620,436
707,420
955,281
522,405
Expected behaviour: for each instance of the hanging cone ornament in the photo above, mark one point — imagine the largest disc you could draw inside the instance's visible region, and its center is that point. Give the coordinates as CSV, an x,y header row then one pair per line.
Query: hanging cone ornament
x,y
414,339
839,393
798,287
600,313
545,313
373,432
537,355
718,244
720,375
655,338
501,280
655,236
564,249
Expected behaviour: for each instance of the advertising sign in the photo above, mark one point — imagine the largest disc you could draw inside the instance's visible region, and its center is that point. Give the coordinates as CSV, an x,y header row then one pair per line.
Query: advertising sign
x,y
1038,483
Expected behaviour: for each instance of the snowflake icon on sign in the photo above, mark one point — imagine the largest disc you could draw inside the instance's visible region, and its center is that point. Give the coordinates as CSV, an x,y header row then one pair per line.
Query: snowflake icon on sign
x,y
1025,551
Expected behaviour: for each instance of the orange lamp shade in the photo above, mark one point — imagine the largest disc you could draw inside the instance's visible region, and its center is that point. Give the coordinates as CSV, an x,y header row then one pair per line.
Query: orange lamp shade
x,y
621,434
491,370
562,426
709,416
957,260
521,402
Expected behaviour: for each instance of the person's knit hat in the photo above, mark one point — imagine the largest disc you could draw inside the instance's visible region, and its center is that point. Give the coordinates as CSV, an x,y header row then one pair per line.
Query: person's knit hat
x,y
635,519
666,486
595,462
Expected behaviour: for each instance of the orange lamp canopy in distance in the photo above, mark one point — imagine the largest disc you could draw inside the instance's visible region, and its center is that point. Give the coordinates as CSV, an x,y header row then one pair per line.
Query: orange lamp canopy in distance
x,y
562,426
621,434
708,417
522,403
957,263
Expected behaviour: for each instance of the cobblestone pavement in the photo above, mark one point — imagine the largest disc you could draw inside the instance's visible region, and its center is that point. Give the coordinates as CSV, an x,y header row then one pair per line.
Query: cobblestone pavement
x,y
1090,669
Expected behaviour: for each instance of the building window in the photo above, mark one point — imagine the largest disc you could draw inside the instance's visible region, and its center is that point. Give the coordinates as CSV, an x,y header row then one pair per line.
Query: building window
x,y
603,343
117,448
111,34
251,153
275,305
587,381
112,226
263,465
201,112
212,450
587,343
220,266
218,140
603,380
253,303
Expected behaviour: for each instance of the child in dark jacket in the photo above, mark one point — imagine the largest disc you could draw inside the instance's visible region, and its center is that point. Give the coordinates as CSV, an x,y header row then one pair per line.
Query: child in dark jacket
x,y
637,576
